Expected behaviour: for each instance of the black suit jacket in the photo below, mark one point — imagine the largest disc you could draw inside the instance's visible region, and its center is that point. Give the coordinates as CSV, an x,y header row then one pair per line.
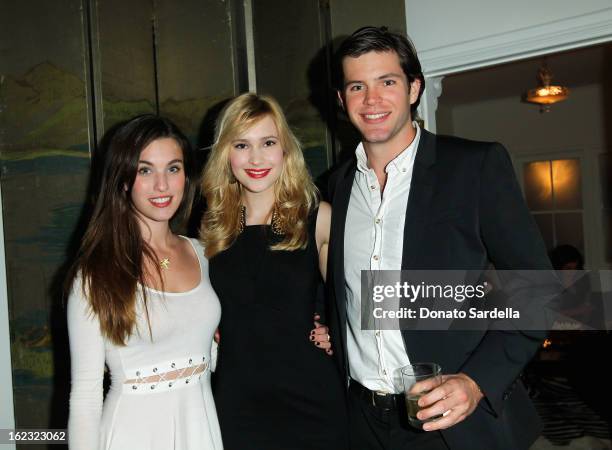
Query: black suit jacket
x,y
464,209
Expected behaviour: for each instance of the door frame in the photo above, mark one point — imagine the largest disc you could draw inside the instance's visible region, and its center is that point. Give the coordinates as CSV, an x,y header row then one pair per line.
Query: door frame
x,y
540,39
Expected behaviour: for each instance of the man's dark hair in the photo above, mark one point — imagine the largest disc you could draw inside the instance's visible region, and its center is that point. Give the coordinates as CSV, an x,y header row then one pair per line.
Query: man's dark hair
x,y
380,39
565,254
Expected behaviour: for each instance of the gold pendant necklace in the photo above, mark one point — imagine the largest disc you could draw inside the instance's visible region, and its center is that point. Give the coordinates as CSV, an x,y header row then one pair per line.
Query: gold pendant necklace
x,y
165,263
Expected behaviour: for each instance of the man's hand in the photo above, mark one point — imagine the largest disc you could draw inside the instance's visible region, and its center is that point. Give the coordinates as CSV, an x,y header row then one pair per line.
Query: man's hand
x,y
455,399
320,336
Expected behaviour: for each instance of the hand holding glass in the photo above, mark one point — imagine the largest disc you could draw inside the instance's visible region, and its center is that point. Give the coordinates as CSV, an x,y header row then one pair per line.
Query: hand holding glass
x,y
418,380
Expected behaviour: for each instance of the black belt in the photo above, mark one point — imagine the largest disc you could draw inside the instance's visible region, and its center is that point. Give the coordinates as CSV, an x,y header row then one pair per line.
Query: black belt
x,y
377,399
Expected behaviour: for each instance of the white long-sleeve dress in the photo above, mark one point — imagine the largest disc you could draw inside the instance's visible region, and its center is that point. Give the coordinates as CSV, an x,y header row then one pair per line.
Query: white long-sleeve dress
x,y
160,396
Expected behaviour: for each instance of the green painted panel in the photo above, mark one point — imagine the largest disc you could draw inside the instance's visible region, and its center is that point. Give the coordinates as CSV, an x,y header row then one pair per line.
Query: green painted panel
x,y
291,66
194,61
123,60
44,158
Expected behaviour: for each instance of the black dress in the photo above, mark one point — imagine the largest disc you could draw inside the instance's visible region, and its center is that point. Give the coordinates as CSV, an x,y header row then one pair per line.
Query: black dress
x,y
273,388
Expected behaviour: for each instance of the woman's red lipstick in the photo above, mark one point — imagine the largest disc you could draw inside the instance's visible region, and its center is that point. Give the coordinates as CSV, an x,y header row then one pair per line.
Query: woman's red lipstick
x,y
257,173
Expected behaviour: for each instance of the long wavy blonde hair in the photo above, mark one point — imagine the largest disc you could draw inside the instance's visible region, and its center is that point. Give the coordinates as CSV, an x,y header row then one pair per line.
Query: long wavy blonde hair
x,y
295,193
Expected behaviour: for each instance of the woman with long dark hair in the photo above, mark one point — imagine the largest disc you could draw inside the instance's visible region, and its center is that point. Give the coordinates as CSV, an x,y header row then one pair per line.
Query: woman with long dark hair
x,y
141,303
266,234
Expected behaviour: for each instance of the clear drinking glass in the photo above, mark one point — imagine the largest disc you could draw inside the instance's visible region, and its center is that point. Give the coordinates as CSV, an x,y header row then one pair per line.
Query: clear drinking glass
x,y
419,379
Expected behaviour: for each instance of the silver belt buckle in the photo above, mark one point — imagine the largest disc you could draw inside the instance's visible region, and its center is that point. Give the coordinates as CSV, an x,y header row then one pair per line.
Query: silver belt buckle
x,y
377,393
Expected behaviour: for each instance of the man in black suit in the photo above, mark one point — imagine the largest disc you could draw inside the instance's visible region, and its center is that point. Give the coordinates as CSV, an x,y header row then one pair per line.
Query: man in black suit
x,y
413,200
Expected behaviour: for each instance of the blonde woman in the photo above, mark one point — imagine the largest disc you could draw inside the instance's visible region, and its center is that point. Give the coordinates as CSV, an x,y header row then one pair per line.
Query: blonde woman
x,y
266,237
141,303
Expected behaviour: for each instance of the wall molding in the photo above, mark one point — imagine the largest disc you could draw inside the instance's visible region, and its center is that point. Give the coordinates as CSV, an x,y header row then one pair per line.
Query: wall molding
x,y
565,34
429,102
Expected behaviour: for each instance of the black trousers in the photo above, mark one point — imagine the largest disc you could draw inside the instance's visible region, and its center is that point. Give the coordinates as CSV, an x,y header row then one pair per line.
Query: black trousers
x,y
373,428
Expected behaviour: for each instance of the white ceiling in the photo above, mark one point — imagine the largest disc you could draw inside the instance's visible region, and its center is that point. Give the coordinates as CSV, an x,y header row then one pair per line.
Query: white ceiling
x,y
573,68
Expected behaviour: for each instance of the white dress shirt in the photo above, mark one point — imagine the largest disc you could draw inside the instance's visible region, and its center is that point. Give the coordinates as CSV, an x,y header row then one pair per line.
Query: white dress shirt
x,y
373,240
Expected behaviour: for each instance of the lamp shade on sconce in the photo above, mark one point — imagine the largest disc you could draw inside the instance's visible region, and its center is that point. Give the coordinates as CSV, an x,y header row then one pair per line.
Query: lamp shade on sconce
x,y
546,94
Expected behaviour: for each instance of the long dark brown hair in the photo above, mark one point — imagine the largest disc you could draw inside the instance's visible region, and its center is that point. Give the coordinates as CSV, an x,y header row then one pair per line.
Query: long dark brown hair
x,y
111,257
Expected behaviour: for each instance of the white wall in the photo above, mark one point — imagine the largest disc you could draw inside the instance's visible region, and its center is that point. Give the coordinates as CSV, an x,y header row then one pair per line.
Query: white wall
x,y
454,36
576,124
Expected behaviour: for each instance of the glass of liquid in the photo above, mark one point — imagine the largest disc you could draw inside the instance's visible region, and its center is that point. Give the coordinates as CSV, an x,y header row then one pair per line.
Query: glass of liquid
x,y
418,379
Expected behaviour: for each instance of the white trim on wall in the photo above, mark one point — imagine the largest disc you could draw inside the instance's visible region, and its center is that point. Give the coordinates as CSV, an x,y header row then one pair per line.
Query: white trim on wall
x,y
555,36
429,102
7,412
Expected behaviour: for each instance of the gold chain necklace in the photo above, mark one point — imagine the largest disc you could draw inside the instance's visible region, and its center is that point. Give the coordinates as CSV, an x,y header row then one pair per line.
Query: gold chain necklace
x,y
275,221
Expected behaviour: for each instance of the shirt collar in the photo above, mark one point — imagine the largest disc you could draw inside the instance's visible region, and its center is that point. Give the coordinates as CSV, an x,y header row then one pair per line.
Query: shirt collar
x,y
400,162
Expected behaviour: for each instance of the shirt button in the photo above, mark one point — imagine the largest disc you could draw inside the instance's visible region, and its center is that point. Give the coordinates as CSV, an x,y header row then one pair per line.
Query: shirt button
x,y
404,170
377,221
373,187
375,257
384,372
378,334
